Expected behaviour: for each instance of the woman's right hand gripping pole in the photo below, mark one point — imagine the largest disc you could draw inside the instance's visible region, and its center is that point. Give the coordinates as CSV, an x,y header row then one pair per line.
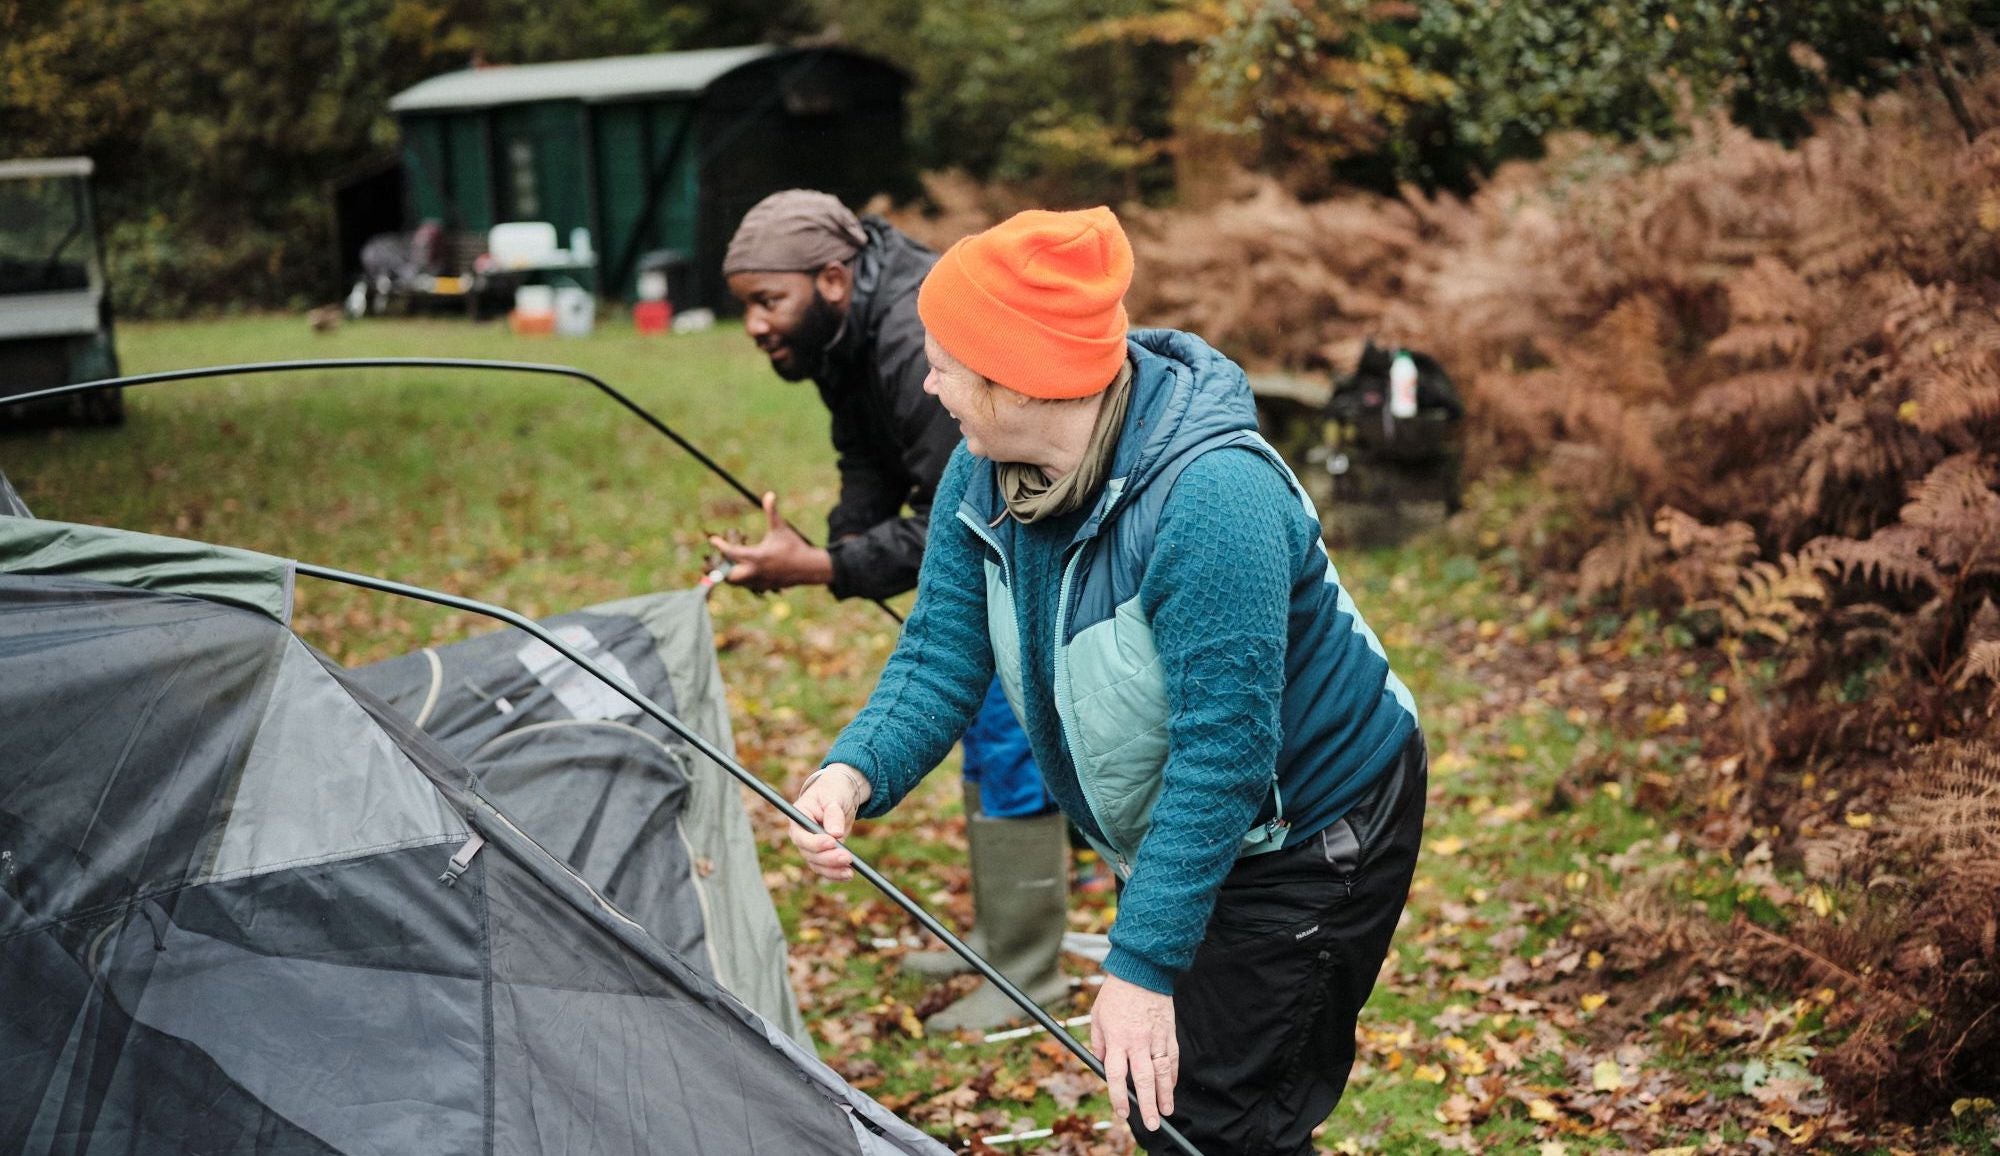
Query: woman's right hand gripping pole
x,y
831,797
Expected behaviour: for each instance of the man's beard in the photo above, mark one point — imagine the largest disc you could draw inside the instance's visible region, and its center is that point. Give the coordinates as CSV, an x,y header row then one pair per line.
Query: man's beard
x,y
808,343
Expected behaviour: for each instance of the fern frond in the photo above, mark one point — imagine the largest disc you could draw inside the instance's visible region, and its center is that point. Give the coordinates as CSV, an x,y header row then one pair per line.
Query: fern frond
x,y
1957,395
1982,649
1771,597
1620,560
1632,355
1637,444
1597,478
1707,560
1953,800
1771,312
1846,464
1860,629
1763,400
1758,341
1890,557
1916,312
1955,498
1982,660
1729,545
1840,255
1769,291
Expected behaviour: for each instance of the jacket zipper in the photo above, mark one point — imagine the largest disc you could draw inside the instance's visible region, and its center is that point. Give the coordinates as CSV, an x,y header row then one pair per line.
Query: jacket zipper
x,y
972,523
1062,713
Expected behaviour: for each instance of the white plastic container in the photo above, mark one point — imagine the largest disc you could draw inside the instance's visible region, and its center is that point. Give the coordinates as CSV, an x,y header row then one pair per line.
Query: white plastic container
x,y
535,300
576,311
1403,387
694,321
522,244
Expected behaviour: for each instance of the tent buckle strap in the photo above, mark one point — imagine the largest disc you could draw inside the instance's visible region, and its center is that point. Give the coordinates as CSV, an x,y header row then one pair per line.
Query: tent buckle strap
x,y
462,861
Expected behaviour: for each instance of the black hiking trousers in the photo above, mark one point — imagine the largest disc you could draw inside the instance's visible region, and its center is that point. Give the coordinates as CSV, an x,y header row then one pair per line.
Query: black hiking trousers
x,y
1265,1016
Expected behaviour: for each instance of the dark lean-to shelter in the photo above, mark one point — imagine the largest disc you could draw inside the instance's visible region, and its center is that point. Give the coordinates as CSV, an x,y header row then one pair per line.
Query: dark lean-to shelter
x,y
226,926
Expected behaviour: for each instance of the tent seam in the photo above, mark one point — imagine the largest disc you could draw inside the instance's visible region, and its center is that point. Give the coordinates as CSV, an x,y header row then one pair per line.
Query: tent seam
x,y
268,869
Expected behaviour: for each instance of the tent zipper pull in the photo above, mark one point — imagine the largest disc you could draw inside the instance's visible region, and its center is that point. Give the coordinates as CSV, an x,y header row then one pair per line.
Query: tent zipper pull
x,y
463,860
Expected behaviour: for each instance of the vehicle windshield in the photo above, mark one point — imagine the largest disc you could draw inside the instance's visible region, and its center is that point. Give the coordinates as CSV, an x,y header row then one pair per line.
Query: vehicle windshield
x,y
46,241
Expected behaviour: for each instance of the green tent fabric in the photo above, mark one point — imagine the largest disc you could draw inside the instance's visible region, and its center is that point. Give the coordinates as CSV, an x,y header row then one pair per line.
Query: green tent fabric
x,y
256,582
11,504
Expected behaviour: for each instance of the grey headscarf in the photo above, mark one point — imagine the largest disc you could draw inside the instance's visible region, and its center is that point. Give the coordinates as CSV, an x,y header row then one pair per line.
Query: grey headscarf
x,y
796,231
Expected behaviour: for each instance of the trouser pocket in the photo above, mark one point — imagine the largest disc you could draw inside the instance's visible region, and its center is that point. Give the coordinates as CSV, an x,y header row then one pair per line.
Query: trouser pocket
x,y
1249,1006
1266,1014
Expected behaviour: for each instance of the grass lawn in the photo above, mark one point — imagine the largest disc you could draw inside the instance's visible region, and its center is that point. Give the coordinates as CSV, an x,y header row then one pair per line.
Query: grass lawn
x,y
1492,1029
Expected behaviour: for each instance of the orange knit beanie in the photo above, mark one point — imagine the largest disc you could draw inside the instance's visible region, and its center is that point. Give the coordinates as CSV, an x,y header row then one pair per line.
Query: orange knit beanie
x,y
1036,303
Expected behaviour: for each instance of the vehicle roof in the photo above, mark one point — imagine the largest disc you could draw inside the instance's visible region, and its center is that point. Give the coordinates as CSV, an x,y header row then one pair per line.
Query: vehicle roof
x,y
46,167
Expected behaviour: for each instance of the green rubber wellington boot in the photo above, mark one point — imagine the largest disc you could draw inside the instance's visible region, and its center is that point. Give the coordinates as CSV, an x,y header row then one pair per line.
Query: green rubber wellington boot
x,y
1020,888
942,962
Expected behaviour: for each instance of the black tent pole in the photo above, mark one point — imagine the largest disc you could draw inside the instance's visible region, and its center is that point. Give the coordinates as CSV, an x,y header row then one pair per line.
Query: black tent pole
x,y
258,367
734,769
742,775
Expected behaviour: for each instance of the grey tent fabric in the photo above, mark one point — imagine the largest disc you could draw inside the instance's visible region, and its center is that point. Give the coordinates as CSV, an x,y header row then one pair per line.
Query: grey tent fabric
x,y
744,928
11,504
309,985
631,807
298,799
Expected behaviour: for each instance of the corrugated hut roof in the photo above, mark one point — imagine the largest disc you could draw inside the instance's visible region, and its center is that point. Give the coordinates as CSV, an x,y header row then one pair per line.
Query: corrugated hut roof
x,y
606,79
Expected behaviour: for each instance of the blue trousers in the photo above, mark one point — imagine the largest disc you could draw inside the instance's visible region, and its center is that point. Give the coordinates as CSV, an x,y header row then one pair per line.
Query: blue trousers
x,y
998,760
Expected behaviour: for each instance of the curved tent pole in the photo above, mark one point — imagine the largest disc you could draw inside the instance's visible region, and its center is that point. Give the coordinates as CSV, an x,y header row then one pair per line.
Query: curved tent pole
x,y
742,775
257,367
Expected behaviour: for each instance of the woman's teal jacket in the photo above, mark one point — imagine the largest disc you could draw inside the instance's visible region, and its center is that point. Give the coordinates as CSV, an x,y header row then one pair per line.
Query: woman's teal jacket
x,y
1195,681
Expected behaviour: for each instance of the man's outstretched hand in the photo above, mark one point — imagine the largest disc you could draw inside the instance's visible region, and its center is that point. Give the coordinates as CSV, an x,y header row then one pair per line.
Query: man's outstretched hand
x,y
782,559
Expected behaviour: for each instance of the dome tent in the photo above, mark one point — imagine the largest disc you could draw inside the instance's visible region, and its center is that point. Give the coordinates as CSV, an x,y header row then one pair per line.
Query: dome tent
x,y
220,864
641,815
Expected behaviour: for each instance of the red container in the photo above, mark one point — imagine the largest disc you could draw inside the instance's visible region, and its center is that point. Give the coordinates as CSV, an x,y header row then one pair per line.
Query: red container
x,y
652,316
531,324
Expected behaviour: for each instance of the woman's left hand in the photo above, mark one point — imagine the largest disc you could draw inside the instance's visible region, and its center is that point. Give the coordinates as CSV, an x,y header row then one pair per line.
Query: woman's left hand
x,y
1132,1031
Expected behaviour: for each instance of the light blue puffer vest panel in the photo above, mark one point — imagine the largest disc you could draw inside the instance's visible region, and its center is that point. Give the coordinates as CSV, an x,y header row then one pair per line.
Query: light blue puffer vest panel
x,y
1109,688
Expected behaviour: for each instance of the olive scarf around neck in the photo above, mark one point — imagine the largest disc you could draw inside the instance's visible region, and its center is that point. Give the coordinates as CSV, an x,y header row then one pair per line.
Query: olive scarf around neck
x,y
1029,494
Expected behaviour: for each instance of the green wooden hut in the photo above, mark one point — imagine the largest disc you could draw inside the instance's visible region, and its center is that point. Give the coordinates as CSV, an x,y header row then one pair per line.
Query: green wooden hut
x,y
658,152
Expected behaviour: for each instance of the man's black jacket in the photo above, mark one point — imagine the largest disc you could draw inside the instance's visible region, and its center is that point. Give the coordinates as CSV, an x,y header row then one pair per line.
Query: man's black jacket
x,y
893,438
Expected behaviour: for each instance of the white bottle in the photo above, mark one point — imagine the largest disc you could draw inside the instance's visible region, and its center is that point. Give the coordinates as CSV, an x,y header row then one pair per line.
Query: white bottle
x,y
1403,387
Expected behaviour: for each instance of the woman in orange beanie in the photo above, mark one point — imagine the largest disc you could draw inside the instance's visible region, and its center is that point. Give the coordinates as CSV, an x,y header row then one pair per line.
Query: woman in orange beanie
x,y
1146,577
